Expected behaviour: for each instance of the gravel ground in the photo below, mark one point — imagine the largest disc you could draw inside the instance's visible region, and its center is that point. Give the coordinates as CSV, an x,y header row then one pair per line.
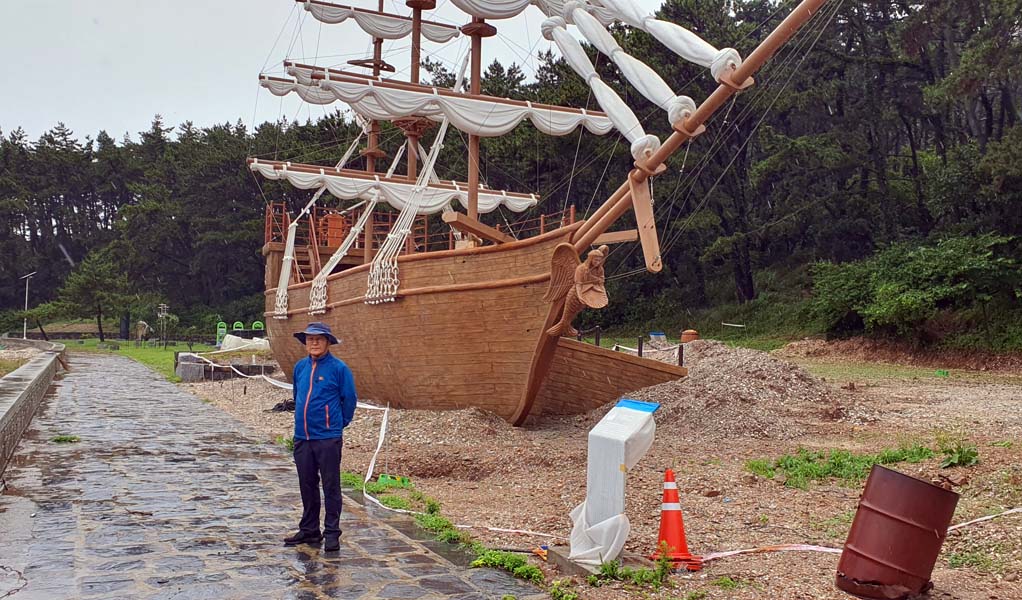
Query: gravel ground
x,y
18,353
736,405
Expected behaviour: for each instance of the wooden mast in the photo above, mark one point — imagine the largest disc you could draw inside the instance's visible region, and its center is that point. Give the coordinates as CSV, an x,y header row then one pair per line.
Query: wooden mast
x,y
477,29
415,130
625,196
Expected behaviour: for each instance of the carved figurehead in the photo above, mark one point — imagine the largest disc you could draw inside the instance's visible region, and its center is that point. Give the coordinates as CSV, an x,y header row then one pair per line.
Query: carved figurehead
x,y
581,284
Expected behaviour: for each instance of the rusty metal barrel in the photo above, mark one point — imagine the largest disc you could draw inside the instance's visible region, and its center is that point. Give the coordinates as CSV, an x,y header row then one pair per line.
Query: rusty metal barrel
x,y
896,536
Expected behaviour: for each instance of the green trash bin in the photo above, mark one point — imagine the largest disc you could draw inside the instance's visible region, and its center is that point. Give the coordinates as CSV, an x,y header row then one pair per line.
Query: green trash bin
x,y
221,331
238,326
258,326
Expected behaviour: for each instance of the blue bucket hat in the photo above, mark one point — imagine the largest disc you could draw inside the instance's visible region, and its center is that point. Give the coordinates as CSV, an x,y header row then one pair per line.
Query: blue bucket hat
x,y
317,328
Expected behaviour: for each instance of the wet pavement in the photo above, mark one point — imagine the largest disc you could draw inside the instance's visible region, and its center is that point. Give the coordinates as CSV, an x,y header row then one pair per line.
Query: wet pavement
x,y
167,497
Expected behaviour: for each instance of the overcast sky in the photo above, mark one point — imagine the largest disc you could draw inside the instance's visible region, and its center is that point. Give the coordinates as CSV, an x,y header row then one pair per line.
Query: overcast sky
x,y
113,64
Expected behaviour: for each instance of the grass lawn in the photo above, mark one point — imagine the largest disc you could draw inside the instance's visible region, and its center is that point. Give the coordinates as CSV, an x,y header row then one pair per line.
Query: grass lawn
x,y
6,366
157,359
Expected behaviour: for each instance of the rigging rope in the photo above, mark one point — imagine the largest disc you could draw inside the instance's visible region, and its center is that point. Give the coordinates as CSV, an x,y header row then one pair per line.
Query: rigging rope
x,y
383,274
281,300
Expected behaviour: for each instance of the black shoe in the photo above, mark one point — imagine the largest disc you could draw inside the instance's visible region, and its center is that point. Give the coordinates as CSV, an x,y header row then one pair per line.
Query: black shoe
x,y
332,544
303,538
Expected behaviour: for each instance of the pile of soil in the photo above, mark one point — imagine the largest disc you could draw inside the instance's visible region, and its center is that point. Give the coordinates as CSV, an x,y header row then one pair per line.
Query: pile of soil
x,y
737,392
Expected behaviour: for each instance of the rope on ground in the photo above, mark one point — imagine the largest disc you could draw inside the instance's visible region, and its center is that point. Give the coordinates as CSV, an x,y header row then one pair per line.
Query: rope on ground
x,y
812,548
986,518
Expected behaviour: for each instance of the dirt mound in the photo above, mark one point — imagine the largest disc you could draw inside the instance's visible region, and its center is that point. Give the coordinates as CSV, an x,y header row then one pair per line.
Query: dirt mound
x,y
737,392
867,350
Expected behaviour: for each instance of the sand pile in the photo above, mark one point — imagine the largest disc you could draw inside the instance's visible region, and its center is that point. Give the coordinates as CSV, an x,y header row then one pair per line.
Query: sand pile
x,y
737,392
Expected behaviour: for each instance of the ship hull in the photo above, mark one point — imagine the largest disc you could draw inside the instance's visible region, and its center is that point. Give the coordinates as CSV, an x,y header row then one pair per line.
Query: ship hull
x,y
461,333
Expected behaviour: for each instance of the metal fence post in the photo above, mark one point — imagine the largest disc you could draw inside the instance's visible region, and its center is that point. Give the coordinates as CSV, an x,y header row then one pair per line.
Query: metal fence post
x,y
640,346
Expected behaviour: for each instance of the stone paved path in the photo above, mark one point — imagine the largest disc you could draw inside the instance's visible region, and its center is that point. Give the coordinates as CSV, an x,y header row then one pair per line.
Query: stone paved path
x,y
166,497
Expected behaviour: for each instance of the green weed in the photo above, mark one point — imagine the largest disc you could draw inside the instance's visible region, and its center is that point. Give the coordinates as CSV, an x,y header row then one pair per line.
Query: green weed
x,y
956,448
642,577
351,480
287,442
696,595
560,590
66,439
726,583
516,564
1002,444
804,467
392,501
976,560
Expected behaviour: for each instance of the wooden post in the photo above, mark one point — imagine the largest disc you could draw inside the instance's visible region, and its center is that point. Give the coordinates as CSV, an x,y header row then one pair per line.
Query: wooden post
x,y
571,215
681,354
542,224
597,335
640,346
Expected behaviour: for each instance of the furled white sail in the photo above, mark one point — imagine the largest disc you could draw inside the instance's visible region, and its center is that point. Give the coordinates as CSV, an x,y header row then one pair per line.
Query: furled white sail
x,y
492,9
283,87
619,113
681,41
395,193
475,115
638,73
389,27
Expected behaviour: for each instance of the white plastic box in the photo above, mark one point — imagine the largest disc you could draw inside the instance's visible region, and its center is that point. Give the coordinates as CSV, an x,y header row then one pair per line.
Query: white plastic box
x,y
616,444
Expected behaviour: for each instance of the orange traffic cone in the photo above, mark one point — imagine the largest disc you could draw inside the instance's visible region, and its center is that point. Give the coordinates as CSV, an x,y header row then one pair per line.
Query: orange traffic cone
x,y
672,529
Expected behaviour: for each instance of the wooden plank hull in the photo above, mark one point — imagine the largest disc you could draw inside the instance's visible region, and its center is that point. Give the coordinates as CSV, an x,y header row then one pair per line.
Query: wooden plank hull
x,y
461,333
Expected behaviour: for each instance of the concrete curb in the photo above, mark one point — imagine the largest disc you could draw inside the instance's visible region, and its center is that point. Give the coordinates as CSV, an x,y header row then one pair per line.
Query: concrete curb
x,y
22,391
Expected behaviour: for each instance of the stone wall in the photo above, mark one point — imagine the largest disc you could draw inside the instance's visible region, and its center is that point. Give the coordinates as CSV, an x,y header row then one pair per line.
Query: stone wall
x,y
22,391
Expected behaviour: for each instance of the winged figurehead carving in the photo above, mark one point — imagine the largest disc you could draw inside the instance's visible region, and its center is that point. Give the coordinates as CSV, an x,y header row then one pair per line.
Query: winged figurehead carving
x,y
579,283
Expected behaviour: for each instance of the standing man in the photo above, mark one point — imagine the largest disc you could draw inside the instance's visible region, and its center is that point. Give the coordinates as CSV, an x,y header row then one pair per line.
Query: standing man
x,y
324,391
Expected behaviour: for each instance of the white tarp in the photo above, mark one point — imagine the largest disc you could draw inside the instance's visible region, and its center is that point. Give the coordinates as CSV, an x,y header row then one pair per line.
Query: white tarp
x,y
616,444
233,342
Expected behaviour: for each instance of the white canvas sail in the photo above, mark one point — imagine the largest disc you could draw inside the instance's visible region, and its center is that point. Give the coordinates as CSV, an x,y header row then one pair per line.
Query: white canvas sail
x,y
478,115
379,25
350,185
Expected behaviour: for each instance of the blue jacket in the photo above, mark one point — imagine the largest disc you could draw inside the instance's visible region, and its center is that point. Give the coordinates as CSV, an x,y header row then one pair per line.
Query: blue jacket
x,y
324,391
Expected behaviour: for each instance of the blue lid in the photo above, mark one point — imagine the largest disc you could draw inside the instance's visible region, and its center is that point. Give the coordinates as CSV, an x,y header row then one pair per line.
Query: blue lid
x,y
656,332
638,405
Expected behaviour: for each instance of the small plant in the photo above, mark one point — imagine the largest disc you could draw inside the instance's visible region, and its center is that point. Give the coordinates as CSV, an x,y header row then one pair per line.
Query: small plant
x,y
445,531
560,590
287,442
66,439
760,467
508,597
613,571
726,583
696,595
515,564
976,560
805,466
351,480
763,519
1002,444
961,455
392,501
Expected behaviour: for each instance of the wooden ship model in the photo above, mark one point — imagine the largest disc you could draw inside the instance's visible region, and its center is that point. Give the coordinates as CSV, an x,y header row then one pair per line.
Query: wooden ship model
x,y
483,320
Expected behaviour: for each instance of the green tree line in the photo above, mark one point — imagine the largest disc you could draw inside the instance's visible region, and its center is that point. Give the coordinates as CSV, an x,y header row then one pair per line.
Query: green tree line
x,y
885,128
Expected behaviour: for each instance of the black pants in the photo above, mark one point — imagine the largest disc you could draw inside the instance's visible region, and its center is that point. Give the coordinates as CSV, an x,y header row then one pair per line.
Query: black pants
x,y
315,460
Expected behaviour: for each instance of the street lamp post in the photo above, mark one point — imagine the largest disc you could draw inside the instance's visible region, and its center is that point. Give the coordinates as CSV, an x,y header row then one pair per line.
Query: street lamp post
x,y
24,330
